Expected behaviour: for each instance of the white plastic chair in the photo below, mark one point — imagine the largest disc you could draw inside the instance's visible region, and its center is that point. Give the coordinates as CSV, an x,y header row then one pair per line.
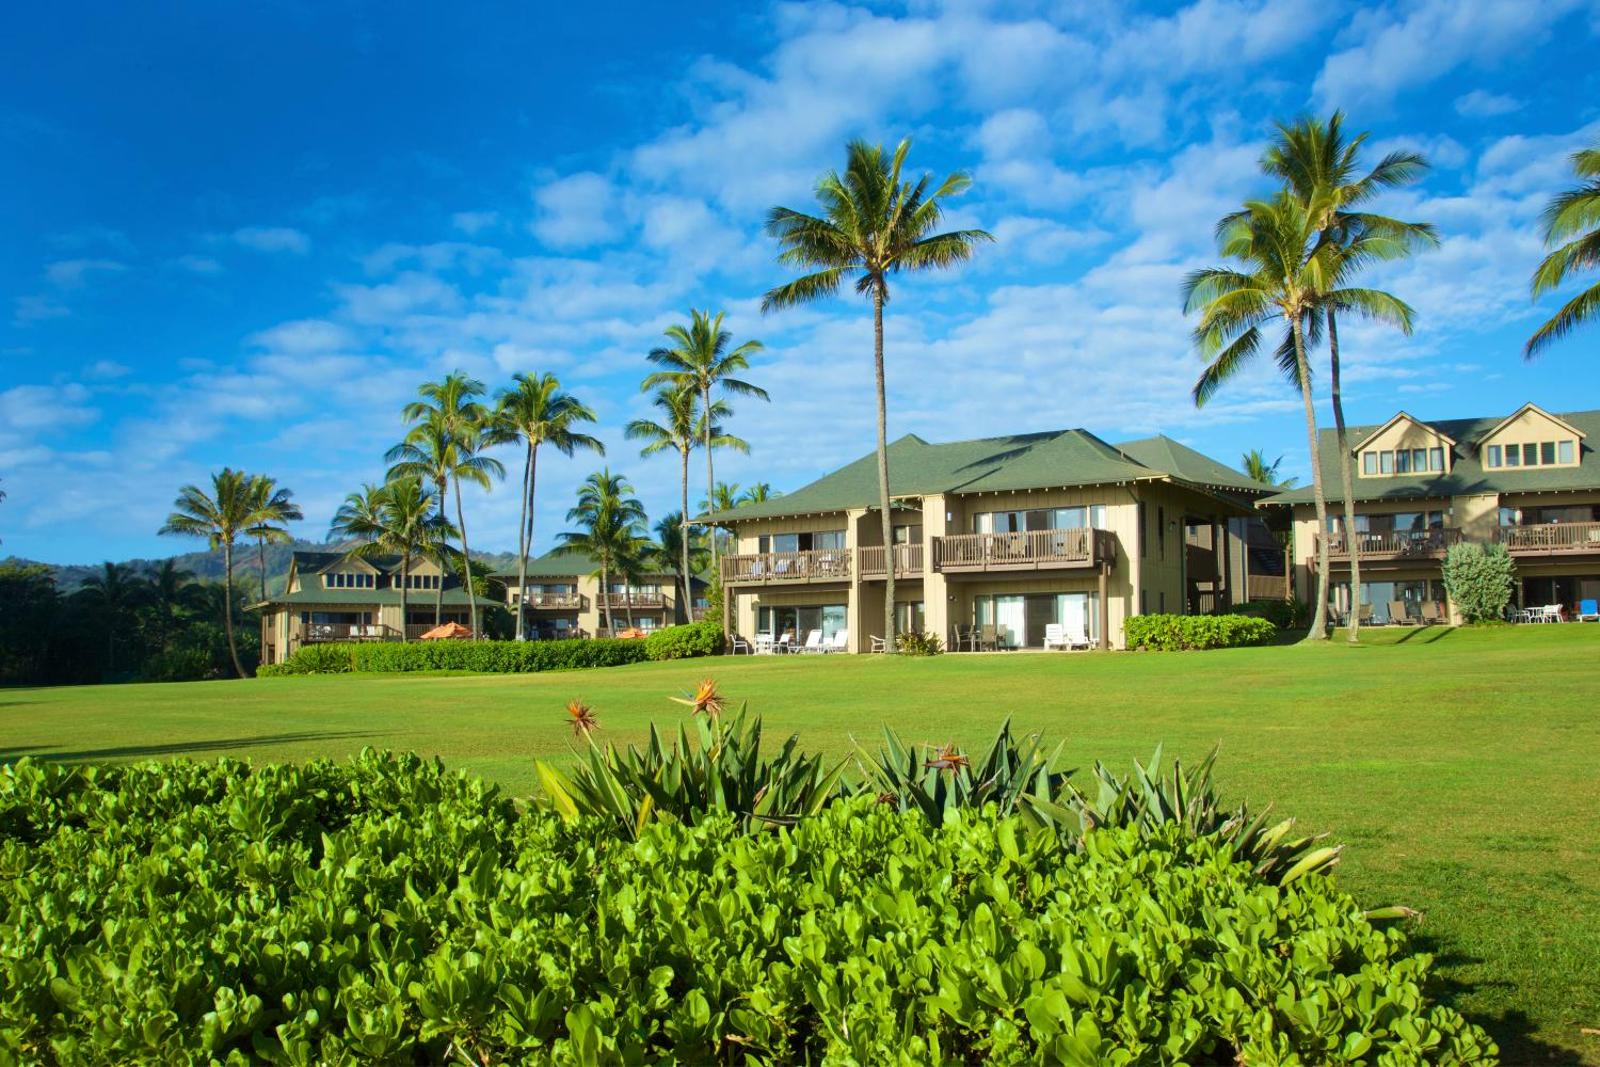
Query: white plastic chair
x,y
1076,629
839,643
784,644
1055,636
739,645
813,642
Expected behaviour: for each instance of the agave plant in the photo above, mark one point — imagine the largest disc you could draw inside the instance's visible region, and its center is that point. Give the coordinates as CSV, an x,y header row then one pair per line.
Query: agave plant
x,y
939,780
1148,801
721,771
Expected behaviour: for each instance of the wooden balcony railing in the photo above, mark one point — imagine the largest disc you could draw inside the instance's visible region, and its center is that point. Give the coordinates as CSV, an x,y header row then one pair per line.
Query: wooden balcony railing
x,y
1266,587
634,599
1551,538
907,561
1033,550
775,568
313,633
1395,545
562,601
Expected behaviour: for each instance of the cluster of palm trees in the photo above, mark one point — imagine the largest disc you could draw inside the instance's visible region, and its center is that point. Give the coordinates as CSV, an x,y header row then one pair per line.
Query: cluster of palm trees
x,y
238,505
1294,259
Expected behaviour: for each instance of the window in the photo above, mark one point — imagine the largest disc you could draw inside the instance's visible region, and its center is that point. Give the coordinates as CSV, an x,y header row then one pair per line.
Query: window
x,y
1563,451
1402,461
801,542
1144,546
910,617
1436,459
1547,453
909,534
1513,456
1161,530
1386,462
1530,455
341,580
1369,463
1492,458
1419,459
1510,517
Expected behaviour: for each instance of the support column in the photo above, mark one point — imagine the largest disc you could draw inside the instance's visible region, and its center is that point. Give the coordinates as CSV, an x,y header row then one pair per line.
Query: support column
x,y
935,589
1105,606
727,610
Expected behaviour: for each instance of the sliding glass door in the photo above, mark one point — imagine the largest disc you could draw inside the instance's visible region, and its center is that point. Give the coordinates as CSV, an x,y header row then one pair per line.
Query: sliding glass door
x,y
1020,619
798,622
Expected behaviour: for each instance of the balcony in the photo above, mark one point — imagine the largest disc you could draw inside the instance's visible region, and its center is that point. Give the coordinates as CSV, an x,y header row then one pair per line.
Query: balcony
x,y
317,633
907,561
1035,550
635,599
553,601
1551,538
787,568
1397,546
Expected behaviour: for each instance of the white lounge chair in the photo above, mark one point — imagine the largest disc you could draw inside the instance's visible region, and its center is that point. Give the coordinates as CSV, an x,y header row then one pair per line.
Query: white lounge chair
x,y
784,643
813,642
1076,628
840,642
1055,636
764,644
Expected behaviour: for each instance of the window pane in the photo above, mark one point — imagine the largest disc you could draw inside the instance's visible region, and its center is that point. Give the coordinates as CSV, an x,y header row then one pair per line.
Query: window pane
x,y
1494,456
1386,462
1530,455
1513,456
1419,459
1097,516
1547,452
1436,459
1564,452
1369,463
1402,461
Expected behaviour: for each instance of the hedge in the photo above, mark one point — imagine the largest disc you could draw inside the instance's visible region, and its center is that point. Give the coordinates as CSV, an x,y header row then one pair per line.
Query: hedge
x,y
503,657
386,911
1174,633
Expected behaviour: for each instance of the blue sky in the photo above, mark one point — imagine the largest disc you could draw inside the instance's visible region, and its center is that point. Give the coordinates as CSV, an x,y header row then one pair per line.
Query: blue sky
x,y
242,235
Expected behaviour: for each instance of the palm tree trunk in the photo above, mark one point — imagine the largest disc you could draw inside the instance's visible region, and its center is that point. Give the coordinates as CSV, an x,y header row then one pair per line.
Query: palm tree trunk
x,y
466,565
533,485
1319,613
688,596
227,605
883,469
605,600
444,559
261,556
522,548
705,397
1346,483
405,589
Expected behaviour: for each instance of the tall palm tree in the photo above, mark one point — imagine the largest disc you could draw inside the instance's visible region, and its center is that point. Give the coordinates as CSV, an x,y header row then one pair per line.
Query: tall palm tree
x,y
872,225
677,551
167,597
536,412
449,430
724,497
394,519
699,357
114,594
1257,469
1572,232
1321,167
610,519
220,517
682,426
272,507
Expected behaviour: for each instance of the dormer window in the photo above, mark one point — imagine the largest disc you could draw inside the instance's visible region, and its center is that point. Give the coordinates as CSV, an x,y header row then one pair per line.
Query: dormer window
x,y
346,580
1531,454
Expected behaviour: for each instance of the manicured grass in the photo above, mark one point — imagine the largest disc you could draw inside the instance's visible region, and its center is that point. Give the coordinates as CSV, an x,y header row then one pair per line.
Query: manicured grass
x,y
1459,766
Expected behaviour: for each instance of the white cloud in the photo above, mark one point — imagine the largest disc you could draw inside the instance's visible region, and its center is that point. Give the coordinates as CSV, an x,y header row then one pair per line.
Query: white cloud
x,y
272,239
31,309
1481,104
72,273
105,370
473,222
196,264
577,211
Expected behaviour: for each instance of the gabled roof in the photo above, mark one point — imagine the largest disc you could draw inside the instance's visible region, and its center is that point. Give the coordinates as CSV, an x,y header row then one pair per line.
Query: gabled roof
x,y
1400,415
1057,459
1523,410
559,564
1467,474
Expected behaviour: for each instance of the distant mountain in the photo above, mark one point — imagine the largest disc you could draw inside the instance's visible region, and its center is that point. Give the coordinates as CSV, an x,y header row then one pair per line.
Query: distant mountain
x,y
207,566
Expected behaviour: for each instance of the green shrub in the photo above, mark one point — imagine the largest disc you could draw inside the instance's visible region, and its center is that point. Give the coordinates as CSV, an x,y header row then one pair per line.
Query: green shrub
x,y
1284,614
1479,579
684,642
385,911
911,643
186,663
502,657
1174,633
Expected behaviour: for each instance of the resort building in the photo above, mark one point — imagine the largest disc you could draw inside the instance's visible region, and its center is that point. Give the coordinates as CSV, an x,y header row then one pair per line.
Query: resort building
x,y
564,599
1000,542
330,596
1529,480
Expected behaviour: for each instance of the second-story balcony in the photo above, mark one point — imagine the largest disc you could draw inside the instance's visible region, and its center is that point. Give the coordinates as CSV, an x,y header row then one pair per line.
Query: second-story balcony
x,y
1551,538
636,598
1392,545
553,601
871,560
1030,551
782,568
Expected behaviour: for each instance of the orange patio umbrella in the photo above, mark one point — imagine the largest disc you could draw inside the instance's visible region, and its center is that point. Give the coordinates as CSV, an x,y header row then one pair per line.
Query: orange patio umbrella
x,y
447,630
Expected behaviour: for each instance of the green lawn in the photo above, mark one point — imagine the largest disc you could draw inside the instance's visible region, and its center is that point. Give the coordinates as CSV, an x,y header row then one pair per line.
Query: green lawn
x,y
1460,767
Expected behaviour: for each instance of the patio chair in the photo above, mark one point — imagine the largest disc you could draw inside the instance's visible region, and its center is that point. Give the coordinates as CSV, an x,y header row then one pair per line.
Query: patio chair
x,y
1077,632
813,642
1366,614
840,642
764,644
1588,611
1552,613
1399,614
878,644
989,638
738,645
1055,636
784,643
1431,615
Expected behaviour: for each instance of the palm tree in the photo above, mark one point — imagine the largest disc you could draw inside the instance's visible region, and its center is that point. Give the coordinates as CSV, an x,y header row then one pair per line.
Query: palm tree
x,y
167,589
1257,469
394,519
724,497
677,551
1321,167
757,494
114,594
271,506
1572,231
682,426
871,225
220,517
699,358
610,519
449,427
535,412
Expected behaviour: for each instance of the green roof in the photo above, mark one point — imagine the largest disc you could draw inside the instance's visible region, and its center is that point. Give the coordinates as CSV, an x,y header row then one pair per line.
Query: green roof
x,y
558,564
1467,474
419,597
1056,459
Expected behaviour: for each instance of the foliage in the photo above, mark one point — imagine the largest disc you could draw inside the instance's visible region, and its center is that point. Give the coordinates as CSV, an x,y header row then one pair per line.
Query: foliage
x,y
384,910
911,643
1174,633
1284,614
939,781
493,657
1479,580
686,641
1572,233
723,774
